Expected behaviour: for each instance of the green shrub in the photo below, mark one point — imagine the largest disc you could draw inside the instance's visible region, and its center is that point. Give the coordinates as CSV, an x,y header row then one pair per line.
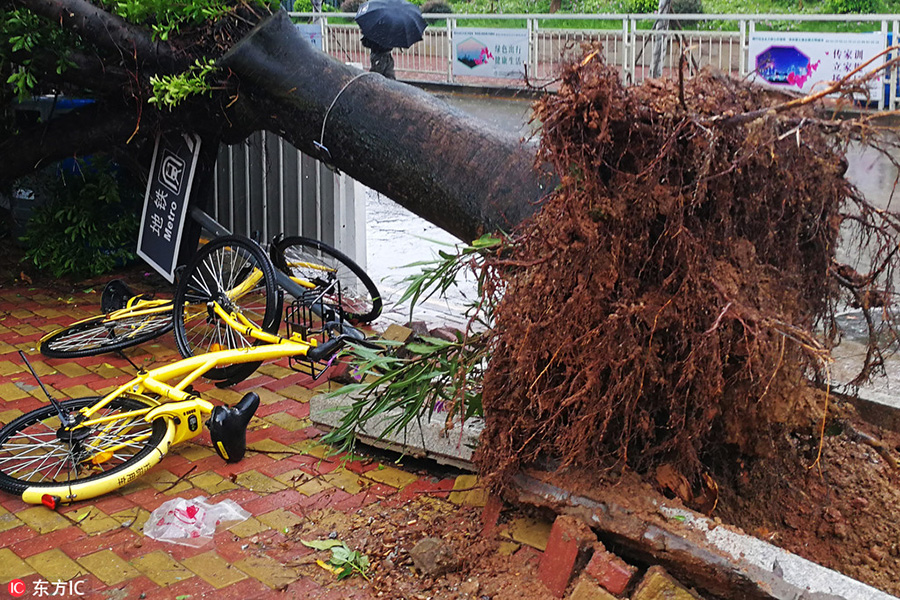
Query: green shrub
x,y
641,6
845,7
88,227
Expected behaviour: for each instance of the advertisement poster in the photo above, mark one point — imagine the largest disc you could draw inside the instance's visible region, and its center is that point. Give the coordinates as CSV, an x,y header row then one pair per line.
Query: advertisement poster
x,y
490,52
805,62
312,32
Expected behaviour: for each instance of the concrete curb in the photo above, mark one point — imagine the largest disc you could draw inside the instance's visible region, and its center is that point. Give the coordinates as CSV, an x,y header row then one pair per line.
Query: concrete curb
x,y
423,438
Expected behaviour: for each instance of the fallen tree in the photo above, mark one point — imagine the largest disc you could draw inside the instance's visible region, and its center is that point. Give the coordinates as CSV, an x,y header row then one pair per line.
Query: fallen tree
x,y
458,173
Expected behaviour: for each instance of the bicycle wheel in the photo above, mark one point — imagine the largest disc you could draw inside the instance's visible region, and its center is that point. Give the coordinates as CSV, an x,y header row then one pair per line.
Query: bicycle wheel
x,y
235,273
107,333
37,458
313,261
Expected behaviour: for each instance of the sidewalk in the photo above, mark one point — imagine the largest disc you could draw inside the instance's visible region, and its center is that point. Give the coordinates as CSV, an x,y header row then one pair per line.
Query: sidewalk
x,y
286,481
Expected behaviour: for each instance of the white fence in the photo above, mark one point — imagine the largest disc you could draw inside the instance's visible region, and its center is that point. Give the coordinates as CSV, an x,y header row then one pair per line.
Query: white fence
x,y
720,41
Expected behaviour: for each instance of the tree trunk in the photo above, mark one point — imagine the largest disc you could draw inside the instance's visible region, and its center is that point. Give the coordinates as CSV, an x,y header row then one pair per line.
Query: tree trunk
x,y
660,40
450,168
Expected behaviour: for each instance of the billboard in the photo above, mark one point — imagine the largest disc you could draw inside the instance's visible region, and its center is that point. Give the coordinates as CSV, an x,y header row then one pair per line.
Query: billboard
x,y
806,62
490,52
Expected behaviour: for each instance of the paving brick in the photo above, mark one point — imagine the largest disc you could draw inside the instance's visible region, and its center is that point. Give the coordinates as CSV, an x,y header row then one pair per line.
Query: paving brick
x,y
270,502
54,565
42,519
214,569
257,482
588,589
390,476
569,537
192,588
530,532
84,546
247,528
161,568
280,519
12,567
490,514
8,520
92,520
212,483
657,584
269,571
468,491
275,450
54,539
193,451
108,567
610,571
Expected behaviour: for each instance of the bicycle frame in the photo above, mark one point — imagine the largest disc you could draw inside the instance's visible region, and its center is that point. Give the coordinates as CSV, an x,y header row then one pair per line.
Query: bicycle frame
x,y
165,389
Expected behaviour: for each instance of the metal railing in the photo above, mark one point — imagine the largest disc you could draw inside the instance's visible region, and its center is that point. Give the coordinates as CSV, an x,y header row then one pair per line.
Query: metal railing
x,y
719,41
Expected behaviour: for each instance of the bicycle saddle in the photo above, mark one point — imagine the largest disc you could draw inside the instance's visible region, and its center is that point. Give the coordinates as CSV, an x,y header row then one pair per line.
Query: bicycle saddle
x,y
115,296
228,427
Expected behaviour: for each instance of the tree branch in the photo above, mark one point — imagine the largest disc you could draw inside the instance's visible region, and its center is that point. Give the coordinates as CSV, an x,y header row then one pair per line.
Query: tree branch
x,y
106,30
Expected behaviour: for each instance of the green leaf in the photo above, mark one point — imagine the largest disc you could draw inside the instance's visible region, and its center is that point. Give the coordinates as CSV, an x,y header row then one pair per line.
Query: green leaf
x,y
321,544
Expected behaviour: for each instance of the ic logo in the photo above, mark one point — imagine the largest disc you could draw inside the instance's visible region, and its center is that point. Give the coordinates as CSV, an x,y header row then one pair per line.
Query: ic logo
x,y
16,588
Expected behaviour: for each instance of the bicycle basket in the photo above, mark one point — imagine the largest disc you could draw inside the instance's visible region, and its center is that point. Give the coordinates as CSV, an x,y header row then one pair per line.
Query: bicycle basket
x,y
308,316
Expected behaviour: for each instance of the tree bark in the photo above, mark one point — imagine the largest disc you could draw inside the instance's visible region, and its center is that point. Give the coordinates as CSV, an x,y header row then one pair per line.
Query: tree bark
x,y
450,168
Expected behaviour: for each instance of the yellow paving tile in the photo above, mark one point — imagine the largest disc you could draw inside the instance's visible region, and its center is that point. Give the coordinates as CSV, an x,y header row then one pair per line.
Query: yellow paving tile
x,y
108,567
26,329
161,569
280,519
268,396
78,391
247,528
42,519
276,450
10,391
92,520
297,392
293,477
346,480
287,421
8,367
71,369
9,415
12,567
212,483
470,492
391,476
54,565
268,570
313,448
9,521
48,313
193,451
257,482
313,486
531,532
224,396
214,569
133,518
275,371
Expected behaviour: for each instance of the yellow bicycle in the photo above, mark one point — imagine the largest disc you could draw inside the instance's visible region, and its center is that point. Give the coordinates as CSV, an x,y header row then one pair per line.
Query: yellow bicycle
x,y
82,448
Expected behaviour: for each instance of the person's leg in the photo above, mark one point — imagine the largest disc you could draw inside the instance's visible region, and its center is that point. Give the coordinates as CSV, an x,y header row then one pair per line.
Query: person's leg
x,y
383,63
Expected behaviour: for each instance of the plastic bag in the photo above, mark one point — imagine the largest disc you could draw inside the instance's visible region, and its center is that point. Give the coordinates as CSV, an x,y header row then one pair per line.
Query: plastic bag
x,y
191,522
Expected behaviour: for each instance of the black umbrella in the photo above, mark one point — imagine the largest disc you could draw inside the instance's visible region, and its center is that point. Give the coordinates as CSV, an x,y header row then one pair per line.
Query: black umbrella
x,y
391,23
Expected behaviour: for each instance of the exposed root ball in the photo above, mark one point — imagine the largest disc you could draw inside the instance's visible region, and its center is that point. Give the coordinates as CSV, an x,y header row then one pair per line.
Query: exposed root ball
x,y
676,276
